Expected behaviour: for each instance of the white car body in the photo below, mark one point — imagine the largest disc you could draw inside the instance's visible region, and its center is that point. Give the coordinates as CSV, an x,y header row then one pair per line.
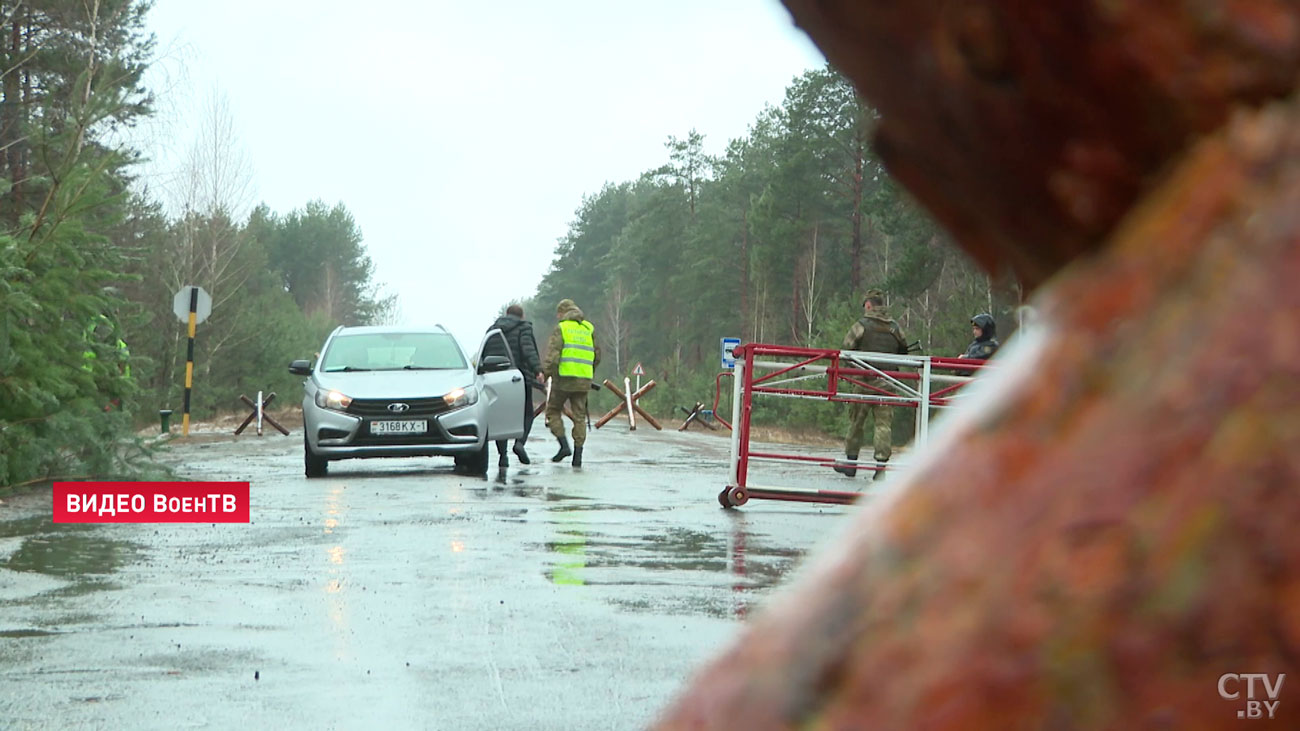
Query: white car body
x,y
391,411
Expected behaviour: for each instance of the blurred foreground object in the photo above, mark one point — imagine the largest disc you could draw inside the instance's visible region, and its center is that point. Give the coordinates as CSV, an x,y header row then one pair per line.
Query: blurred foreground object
x,y
1109,528
1030,128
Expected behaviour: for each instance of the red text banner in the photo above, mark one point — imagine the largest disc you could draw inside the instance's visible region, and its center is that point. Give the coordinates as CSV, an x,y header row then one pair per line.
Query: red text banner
x,y
151,502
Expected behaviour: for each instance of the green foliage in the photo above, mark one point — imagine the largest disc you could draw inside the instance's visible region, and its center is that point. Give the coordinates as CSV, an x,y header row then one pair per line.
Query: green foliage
x,y
89,346
321,261
63,376
263,315
774,241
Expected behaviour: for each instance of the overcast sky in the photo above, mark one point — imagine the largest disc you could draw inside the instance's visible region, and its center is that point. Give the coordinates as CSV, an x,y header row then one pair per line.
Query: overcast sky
x,y
463,136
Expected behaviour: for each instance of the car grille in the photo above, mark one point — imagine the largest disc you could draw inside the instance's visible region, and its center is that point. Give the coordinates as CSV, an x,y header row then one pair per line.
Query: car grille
x,y
378,408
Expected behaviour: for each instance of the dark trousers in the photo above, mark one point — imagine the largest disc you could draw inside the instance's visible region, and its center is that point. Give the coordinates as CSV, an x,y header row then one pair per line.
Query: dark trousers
x,y
528,420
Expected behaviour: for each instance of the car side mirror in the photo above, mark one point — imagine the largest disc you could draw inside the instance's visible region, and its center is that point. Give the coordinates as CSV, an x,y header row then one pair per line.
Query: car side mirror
x,y
495,364
300,368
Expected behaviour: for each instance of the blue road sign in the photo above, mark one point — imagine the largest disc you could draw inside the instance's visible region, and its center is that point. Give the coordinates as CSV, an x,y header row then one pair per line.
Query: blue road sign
x,y
728,352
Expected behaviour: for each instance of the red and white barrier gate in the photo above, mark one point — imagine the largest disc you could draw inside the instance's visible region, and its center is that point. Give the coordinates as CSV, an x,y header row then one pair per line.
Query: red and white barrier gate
x,y
831,375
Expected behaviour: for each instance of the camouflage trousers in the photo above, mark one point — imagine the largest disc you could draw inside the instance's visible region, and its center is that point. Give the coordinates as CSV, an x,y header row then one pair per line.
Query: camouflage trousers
x,y
577,401
882,418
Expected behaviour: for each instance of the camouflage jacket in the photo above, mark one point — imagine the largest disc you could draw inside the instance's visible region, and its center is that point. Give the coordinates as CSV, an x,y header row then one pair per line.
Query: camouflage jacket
x,y
982,349
877,333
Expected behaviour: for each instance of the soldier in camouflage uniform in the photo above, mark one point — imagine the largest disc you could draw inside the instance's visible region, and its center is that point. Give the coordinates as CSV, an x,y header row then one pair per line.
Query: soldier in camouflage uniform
x,y
875,331
572,355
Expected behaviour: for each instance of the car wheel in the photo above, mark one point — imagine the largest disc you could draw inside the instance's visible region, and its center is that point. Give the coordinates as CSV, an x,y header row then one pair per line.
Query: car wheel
x,y
314,465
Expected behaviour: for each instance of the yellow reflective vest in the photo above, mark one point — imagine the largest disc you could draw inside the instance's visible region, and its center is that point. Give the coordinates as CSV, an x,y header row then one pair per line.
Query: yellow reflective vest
x,y
578,357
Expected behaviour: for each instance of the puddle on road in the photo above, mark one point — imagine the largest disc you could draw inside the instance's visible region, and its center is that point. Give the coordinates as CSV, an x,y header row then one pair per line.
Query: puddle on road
x,y
679,549
608,506
67,551
662,568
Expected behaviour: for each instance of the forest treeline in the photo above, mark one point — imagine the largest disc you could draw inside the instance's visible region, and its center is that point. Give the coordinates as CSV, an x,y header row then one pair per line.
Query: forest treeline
x,y
90,257
775,241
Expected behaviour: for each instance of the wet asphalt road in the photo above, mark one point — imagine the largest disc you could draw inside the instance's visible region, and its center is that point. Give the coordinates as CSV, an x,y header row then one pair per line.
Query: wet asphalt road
x,y
395,593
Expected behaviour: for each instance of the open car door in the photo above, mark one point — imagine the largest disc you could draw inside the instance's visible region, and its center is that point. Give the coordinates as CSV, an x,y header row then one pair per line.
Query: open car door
x,y
503,389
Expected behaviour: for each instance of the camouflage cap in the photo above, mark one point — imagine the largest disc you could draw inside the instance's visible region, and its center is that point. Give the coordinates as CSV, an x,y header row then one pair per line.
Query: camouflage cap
x,y
874,293
565,304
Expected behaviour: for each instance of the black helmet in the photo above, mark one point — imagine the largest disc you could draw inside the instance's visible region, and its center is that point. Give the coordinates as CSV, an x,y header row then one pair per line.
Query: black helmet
x,y
985,323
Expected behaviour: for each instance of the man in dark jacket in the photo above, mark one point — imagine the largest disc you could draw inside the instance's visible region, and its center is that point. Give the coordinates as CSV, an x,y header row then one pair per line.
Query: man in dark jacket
x,y
523,351
985,343
877,332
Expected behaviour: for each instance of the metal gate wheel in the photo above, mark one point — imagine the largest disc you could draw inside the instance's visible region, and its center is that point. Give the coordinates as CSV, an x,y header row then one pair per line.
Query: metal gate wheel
x,y
732,497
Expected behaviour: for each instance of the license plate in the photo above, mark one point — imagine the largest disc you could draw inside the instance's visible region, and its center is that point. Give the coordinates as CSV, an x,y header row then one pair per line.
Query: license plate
x,y
399,427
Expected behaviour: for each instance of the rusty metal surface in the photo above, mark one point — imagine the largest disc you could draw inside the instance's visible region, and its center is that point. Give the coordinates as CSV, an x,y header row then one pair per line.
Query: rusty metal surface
x,y
1108,528
1031,128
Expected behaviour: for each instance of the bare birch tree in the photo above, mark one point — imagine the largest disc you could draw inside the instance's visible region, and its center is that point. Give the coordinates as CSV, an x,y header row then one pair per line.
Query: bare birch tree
x,y
617,323
810,293
212,194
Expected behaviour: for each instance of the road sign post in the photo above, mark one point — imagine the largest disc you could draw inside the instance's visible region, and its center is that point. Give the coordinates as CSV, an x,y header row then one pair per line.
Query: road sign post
x,y
638,372
192,305
729,353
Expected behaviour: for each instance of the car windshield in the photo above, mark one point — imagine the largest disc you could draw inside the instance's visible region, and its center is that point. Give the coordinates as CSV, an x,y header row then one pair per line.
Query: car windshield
x,y
392,351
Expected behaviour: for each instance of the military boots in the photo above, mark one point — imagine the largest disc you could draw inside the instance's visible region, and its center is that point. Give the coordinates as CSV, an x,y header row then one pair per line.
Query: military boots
x,y
564,450
847,470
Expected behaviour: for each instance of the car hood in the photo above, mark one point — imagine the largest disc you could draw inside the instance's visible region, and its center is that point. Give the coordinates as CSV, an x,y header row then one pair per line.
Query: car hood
x,y
395,384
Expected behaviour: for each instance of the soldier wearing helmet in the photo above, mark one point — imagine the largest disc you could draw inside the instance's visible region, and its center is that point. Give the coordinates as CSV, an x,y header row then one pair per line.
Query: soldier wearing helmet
x,y
985,343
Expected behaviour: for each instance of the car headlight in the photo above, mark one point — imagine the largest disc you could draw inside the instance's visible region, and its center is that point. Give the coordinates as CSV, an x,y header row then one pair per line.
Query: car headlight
x,y
332,400
459,397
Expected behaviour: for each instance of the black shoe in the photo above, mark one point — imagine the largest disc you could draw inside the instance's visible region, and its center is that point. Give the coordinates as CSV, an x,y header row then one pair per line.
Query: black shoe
x,y
847,470
521,454
564,450
880,471
577,456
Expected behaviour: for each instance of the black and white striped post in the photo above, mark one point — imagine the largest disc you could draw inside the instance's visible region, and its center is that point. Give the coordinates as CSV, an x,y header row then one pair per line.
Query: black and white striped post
x,y
192,305
189,360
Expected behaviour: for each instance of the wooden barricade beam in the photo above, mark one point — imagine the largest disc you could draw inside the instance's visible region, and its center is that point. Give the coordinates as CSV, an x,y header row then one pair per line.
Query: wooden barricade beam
x,y
265,416
539,410
693,417
624,400
539,405
627,398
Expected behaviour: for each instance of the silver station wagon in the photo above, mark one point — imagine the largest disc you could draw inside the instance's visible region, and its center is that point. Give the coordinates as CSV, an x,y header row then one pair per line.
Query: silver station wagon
x,y
406,392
